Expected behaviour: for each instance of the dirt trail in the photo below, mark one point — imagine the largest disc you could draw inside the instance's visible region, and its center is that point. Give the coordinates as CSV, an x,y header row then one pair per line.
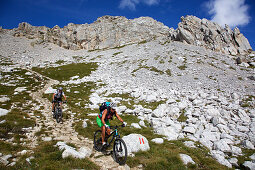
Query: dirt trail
x,y
65,131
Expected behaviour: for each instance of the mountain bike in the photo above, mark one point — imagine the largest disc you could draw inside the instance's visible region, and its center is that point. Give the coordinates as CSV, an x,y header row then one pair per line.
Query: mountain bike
x,y
119,146
58,112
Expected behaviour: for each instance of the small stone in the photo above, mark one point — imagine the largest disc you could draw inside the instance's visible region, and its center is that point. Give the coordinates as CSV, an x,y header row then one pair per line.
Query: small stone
x,y
47,139
158,140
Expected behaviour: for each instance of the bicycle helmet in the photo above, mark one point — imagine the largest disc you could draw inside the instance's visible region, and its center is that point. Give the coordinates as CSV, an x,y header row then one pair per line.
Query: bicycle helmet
x,y
113,105
60,89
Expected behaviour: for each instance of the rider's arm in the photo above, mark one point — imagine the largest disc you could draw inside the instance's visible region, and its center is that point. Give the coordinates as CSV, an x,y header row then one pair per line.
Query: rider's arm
x,y
118,117
53,96
64,96
103,116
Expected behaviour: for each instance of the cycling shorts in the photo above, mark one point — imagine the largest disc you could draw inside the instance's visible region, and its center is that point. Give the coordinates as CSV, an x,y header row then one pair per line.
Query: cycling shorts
x,y
100,123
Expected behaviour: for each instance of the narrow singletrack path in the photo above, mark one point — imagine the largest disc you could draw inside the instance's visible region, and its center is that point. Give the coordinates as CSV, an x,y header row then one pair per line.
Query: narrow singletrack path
x,y
65,131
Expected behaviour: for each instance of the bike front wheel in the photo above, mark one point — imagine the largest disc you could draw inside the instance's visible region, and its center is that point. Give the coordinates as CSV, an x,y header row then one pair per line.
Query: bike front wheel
x,y
120,151
98,140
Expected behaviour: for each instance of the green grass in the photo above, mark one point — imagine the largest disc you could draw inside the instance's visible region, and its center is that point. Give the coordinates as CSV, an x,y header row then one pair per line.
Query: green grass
x,y
142,42
182,67
154,69
64,72
17,118
182,118
60,62
117,53
168,72
47,156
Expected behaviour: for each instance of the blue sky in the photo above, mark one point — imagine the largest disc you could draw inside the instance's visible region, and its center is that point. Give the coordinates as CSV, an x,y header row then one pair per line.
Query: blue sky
x,y
240,13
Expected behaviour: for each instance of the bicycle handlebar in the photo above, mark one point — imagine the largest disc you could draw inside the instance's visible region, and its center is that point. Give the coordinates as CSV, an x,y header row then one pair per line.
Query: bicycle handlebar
x,y
117,126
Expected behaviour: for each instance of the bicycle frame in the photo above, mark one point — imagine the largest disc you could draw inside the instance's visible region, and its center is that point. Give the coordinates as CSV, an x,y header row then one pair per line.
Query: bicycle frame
x,y
114,133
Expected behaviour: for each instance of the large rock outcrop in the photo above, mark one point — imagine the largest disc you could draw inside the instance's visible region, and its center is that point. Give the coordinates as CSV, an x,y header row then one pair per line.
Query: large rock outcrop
x,y
106,32
201,32
116,31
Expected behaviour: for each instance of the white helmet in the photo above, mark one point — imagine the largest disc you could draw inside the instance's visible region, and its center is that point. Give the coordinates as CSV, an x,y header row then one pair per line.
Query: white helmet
x,y
113,105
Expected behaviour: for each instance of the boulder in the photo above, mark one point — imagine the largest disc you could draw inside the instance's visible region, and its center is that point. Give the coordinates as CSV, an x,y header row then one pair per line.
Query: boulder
x,y
160,111
249,165
248,144
141,123
3,112
186,159
221,145
135,143
170,132
82,153
189,129
220,157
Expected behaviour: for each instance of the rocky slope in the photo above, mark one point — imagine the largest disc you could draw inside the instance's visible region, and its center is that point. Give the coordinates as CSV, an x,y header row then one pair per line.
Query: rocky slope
x,y
185,92
110,32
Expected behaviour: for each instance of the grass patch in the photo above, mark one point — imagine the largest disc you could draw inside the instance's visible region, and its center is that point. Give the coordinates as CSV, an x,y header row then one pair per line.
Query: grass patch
x,y
168,72
182,117
47,156
142,42
64,72
117,53
182,67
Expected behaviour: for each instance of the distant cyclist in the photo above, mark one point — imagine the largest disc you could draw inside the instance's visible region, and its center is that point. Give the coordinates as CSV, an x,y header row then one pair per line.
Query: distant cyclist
x,y
107,111
57,97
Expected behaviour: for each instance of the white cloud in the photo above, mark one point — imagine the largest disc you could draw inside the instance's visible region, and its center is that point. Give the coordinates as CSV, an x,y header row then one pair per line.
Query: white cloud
x,y
231,12
131,4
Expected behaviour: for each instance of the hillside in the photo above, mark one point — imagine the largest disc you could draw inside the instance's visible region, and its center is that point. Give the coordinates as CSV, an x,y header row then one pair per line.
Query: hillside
x,y
176,85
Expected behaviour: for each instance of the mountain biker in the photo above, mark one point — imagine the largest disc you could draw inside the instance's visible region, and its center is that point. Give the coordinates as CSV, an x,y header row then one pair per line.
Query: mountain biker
x,y
103,119
57,97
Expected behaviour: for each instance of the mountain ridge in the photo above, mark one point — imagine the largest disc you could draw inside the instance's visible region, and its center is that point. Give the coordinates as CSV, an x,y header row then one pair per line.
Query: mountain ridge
x,y
115,31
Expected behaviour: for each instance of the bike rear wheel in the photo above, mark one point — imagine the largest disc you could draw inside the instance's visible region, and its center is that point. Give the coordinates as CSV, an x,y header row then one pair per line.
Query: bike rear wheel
x,y
59,117
98,140
120,151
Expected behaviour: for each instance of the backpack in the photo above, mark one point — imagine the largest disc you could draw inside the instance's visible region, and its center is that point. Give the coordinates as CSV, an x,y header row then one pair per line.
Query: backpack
x,y
102,107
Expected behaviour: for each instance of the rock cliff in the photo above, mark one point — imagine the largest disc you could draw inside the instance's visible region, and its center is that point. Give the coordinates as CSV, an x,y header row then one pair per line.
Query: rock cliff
x,y
116,31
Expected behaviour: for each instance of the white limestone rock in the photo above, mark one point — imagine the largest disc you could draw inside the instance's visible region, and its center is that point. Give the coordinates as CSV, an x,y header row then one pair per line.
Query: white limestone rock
x,y
170,132
186,159
141,123
135,143
136,125
4,99
85,124
3,112
158,140
233,161
220,157
189,129
249,165
47,139
248,144
221,145
20,89
70,151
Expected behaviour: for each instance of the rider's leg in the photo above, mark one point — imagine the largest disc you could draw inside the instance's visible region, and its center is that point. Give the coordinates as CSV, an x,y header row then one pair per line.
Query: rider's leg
x,y
103,133
53,104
